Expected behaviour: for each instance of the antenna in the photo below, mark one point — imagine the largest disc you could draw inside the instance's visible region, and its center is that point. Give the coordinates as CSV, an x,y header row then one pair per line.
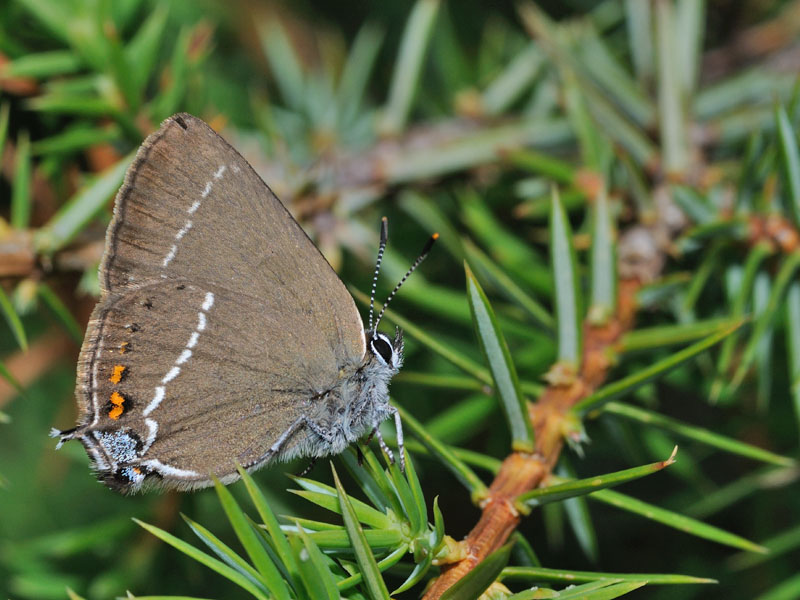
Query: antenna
x,y
420,258
381,248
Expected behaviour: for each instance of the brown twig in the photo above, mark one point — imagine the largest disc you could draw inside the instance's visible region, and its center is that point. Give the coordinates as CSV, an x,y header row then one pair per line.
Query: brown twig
x,y
776,230
521,472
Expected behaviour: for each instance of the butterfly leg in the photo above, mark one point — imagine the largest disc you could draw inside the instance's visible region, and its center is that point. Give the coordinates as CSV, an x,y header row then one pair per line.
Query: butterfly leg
x,y
276,448
307,470
376,432
399,433
304,421
398,427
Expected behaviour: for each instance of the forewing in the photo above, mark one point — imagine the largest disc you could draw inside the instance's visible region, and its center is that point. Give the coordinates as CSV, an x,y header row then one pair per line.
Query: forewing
x,y
194,226
192,208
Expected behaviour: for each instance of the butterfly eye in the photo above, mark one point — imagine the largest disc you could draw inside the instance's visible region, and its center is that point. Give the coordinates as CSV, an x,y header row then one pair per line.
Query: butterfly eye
x,y
382,348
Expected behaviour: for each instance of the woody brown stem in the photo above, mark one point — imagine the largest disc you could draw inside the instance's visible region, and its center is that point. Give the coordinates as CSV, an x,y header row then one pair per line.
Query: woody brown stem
x,y
775,230
521,472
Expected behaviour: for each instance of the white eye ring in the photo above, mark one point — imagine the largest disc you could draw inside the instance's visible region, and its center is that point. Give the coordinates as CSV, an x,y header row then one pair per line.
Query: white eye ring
x,y
376,350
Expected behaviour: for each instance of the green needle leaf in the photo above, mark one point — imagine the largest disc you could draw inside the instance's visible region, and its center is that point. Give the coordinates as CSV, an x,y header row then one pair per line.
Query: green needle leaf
x,y
791,159
754,259
326,497
567,292
420,508
615,590
793,342
513,81
581,487
382,478
784,277
498,356
647,338
43,65
315,570
359,65
376,587
154,598
579,518
417,519
507,285
5,109
6,374
273,527
671,93
420,569
252,545
225,552
389,561
80,209
697,433
511,253
788,589
405,79
675,520
631,382
438,521
778,545
460,421
462,472
544,164
21,199
13,320
603,262
75,139
569,576
143,50
204,559
61,311
369,485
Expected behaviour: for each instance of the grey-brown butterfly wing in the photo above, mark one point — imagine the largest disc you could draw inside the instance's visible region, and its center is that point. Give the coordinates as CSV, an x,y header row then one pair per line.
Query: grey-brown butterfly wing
x,y
219,320
176,399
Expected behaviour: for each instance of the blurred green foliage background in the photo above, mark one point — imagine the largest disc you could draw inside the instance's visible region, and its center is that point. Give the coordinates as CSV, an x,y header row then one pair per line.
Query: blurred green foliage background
x,y
460,118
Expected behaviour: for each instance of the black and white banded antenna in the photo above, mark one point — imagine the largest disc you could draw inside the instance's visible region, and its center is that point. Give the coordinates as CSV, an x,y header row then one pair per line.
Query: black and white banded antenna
x,y
422,256
381,248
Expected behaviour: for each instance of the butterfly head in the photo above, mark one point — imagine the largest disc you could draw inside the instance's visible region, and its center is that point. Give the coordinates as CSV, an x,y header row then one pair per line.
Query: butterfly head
x,y
386,351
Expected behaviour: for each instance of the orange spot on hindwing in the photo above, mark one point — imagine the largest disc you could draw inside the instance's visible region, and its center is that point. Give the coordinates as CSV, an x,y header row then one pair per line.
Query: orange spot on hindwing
x,y
117,400
116,376
123,347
